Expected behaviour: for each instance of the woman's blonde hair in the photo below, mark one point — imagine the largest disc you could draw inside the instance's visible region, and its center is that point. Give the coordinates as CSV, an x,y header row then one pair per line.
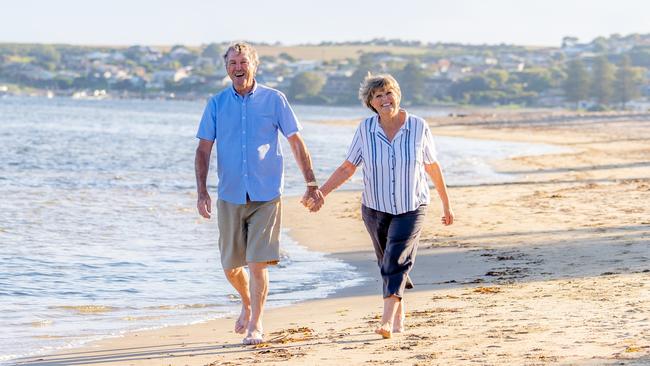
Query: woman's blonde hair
x,y
371,83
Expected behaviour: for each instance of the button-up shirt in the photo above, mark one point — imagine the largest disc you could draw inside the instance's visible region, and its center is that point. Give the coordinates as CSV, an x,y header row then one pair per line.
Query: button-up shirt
x,y
393,171
245,129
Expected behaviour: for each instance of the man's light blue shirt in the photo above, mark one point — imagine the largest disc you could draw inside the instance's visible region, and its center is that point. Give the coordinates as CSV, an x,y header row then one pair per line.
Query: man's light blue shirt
x,y
245,130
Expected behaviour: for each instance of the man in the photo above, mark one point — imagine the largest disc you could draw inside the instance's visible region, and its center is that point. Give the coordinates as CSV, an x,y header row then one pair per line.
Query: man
x,y
244,120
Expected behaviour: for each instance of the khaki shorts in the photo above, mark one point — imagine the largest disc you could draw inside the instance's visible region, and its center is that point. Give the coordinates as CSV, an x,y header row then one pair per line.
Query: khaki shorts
x,y
249,233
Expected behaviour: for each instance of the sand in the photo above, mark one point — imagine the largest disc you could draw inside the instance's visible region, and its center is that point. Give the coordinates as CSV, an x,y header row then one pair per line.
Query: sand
x,y
553,269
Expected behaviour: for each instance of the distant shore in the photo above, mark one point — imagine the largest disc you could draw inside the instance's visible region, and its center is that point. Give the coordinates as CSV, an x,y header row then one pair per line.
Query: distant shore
x,y
551,269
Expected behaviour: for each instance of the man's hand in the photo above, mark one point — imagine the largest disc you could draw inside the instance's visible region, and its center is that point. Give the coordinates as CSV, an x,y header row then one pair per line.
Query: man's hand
x,y
313,199
204,204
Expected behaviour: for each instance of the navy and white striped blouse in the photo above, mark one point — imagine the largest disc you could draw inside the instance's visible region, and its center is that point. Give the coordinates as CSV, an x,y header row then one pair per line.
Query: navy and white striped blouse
x,y
393,172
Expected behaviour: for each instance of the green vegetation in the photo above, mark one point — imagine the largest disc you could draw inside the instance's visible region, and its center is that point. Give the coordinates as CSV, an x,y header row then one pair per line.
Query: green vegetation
x,y
576,85
604,73
627,82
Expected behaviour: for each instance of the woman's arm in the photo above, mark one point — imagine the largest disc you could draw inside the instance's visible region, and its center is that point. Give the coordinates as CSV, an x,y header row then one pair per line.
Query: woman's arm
x,y
438,179
340,175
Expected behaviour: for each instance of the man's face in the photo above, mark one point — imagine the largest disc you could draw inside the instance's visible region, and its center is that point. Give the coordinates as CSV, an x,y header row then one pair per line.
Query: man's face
x,y
241,70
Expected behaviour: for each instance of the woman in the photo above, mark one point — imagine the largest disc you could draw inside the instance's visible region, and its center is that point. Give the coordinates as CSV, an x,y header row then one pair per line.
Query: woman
x,y
397,152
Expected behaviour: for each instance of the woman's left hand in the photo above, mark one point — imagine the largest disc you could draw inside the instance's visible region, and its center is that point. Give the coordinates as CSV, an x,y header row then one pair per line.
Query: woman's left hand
x,y
448,217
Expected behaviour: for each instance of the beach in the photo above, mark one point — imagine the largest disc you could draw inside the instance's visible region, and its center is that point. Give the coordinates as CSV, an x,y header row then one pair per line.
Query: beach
x,y
552,268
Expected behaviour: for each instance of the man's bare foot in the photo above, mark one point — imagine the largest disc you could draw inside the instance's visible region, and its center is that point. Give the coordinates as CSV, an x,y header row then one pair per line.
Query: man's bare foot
x,y
400,319
384,330
254,336
242,322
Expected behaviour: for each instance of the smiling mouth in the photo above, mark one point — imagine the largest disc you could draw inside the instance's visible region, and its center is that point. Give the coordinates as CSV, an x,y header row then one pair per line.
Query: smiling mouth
x,y
239,74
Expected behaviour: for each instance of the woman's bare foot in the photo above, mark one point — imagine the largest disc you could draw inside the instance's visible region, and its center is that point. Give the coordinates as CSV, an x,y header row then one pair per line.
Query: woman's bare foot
x,y
242,322
384,330
254,336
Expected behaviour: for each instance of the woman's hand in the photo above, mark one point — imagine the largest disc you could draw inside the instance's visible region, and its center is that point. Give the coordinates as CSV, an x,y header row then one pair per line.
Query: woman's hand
x,y
447,217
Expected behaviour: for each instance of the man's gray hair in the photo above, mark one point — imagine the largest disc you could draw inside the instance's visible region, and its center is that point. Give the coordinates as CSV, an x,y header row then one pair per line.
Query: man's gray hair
x,y
245,48
372,83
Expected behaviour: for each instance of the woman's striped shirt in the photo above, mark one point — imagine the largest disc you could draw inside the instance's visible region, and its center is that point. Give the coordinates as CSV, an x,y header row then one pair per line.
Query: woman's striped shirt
x,y
393,172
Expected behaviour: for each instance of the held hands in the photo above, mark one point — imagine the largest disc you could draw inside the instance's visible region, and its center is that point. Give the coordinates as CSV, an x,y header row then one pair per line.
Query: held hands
x,y
204,205
313,199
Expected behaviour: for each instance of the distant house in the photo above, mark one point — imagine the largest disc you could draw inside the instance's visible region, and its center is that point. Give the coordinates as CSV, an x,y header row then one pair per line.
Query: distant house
x,y
469,60
269,79
443,65
539,59
456,72
574,49
512,62
492,61
160,78
67,74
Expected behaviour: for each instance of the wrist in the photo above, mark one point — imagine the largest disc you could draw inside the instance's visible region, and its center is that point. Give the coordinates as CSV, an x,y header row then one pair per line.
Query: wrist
x,y
312,184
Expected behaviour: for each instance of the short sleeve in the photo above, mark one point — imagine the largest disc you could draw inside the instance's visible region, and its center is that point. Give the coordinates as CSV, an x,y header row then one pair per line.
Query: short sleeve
x,y
355,155
287,120
208,125
428,146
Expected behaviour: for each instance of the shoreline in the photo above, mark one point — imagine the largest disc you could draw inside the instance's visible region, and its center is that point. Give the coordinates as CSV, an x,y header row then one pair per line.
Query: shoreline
x,y
550,271
86,342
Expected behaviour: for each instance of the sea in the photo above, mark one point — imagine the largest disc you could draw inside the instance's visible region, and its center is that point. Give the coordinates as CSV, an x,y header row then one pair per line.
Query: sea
x,y
99,233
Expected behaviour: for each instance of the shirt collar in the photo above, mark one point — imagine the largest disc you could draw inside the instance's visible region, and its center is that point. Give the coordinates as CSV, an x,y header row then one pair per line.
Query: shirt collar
x,y
405,126
234,92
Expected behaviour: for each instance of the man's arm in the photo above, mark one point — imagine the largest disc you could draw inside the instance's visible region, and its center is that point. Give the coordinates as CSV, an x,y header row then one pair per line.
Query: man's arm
x,y
303,159
201,168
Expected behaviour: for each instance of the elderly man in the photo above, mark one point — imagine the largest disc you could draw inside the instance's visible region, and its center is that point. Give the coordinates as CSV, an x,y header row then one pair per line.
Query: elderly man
x,y
244,120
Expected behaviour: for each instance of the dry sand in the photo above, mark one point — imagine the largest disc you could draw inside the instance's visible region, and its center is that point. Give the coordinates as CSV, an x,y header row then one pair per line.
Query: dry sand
x,y
553,269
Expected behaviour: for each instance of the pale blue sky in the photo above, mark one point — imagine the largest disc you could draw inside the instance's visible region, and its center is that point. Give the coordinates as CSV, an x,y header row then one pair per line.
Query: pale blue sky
x,y
194,22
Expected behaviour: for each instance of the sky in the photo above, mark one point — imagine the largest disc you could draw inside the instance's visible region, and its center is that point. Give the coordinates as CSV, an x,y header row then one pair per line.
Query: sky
x,y
195,22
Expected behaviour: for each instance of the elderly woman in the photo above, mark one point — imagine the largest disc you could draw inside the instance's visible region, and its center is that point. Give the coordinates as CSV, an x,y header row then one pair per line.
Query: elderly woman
x,y
397,152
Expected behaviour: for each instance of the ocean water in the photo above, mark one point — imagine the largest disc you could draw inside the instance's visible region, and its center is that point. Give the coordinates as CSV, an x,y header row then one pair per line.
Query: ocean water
x,y
98,229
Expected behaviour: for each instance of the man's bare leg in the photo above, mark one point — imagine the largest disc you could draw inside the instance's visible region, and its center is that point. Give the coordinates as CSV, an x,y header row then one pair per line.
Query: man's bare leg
x,y
390,308
400,317
238,278
259,289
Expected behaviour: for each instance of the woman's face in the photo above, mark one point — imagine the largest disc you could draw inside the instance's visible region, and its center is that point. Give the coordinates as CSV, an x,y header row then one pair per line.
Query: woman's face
x,y
385,101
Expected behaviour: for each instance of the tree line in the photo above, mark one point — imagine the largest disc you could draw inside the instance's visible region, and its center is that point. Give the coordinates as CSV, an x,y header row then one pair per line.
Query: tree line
x,y
606,84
